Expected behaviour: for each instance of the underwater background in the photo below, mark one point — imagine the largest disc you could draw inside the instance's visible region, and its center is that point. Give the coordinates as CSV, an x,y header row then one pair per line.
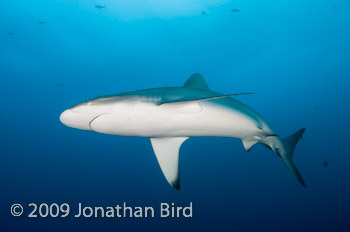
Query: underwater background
x,y
293,54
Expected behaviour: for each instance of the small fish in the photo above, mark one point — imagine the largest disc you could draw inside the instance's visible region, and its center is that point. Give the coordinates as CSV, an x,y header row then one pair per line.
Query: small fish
x,y
100,6
11,33
59,85
325,163
41,22
204,13
235,10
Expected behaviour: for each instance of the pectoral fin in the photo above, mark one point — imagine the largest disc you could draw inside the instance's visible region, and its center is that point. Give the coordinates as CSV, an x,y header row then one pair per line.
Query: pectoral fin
x,y
185,99
167,153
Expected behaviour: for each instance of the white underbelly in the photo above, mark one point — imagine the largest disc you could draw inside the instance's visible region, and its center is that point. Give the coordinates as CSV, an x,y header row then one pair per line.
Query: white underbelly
x,y
176,120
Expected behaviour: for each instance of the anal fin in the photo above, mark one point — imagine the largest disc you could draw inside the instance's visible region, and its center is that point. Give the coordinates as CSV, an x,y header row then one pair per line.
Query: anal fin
x,y
248,143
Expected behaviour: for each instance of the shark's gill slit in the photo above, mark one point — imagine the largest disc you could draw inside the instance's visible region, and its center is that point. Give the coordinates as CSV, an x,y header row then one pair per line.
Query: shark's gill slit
x,y
93,120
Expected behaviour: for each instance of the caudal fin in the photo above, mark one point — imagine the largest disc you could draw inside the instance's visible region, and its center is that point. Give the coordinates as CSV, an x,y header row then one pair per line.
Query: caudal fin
x,y
289,144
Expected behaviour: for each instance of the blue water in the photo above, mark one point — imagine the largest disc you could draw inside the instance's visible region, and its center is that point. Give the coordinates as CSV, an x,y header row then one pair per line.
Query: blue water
x,y
293,54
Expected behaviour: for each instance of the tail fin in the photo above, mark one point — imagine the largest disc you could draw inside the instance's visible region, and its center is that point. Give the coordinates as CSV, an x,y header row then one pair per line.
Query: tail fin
x,y
289,144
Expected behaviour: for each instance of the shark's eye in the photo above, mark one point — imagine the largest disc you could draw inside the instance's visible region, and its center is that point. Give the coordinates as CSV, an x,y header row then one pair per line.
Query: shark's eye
x,y
89,103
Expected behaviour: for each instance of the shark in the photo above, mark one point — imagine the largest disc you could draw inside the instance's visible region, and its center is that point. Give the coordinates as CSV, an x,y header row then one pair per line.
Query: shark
x,y
171,115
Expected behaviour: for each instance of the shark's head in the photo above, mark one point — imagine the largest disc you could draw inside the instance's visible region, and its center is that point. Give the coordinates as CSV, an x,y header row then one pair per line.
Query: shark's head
x,y
82,115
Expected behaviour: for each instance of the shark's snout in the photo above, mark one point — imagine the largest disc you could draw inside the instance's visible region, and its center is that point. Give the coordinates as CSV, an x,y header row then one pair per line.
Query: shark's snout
x,y
67,117
79,118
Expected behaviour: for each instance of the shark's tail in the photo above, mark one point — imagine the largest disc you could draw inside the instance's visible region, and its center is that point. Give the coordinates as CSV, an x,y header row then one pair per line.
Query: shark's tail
x,y
289,144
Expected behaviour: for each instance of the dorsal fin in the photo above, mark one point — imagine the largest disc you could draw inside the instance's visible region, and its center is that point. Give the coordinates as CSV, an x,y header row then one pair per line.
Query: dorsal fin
x,y
196,81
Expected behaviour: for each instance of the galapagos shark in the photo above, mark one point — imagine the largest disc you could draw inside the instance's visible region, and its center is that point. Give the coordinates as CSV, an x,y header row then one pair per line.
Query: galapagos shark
x,y
171,115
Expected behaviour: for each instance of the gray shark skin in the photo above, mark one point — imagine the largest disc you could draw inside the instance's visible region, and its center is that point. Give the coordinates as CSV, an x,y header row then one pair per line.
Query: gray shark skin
x,y
169,116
